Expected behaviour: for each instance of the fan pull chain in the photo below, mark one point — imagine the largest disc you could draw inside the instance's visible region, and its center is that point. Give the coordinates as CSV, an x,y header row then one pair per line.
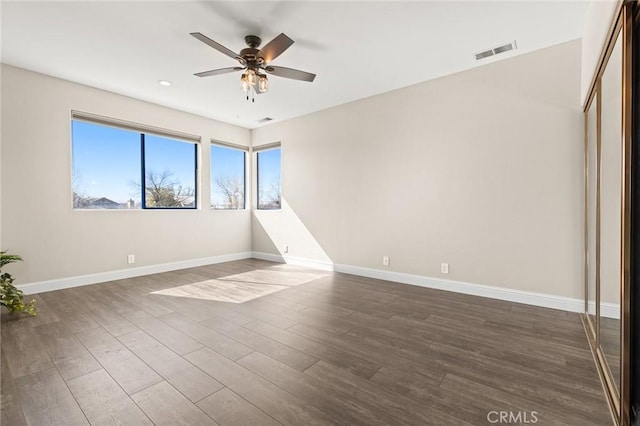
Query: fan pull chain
x,y
253,94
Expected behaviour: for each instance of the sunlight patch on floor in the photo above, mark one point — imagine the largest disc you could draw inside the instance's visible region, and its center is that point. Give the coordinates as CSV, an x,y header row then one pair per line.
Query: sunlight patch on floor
x,y
240,288
283,277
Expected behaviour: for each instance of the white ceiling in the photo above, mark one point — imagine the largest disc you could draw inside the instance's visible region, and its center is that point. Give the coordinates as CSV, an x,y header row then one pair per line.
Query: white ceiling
x,y
357,49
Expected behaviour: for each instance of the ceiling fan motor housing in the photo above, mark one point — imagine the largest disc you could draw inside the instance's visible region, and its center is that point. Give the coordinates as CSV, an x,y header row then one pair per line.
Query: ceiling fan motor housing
x,y
249,55
253,41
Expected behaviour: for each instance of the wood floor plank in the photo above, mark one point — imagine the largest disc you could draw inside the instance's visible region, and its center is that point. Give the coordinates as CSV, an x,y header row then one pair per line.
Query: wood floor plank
x,y
10,407
405,409
166,406
225,311
278,299
285,318
279,404
114,323
216,341
420,389
276,350
415,384
193,309
75,319
46,313
132,299
66,352
519,378
127,369
360,365
181,374
347,411
24,352
490,398
169,336
267,315
47,401
112,298
231,315
104,402
384,354
229,409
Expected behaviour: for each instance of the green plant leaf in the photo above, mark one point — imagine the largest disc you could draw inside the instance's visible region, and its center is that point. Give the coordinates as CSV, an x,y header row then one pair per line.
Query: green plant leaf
x,y
11,297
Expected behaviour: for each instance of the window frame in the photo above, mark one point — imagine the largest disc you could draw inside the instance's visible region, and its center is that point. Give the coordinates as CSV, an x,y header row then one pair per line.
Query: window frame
x,y
141,130
245,150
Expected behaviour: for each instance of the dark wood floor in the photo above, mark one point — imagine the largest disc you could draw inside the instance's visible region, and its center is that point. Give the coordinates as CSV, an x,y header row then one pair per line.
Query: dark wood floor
x,y
338,349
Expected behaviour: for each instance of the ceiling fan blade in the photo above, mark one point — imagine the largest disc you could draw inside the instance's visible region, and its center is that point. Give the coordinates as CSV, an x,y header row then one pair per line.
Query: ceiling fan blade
x,y
220,48
290,73
274,48
218,71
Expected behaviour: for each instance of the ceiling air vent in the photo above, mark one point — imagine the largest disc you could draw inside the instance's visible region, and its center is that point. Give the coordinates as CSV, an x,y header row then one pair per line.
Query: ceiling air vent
x,y
496,50
265,120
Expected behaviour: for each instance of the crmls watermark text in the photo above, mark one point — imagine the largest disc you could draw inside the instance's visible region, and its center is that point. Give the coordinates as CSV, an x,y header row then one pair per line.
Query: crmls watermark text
x,y
512,417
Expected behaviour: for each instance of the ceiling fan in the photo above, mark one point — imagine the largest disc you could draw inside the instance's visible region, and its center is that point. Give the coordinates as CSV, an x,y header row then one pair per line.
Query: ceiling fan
x,y
255,62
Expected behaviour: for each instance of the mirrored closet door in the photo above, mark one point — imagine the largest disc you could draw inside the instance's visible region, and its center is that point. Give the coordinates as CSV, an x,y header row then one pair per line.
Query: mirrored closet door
x,y
607,219
611,177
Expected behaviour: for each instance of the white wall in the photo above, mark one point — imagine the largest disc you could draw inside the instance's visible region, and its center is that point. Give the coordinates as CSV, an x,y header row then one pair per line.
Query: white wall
x,y
598,21
482,169
37,219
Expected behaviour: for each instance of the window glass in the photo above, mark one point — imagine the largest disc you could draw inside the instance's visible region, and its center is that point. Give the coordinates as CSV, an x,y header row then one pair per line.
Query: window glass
x,y
170,178
269,191
227,178
106,167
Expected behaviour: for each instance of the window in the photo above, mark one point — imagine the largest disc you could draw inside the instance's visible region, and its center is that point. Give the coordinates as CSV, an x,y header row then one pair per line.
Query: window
x,y
268,164
111,165
227,177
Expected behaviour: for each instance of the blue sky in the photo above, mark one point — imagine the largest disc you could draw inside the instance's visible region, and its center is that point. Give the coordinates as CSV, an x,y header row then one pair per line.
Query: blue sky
x,y
177,157
106,161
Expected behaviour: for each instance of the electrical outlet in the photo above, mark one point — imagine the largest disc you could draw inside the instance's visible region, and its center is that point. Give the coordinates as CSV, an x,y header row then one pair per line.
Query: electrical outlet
x,y
444,268
286,249
131,259
385,260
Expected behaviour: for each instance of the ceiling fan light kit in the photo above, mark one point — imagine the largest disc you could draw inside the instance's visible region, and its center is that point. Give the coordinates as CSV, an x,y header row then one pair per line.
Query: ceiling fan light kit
x,y
254,62
254,81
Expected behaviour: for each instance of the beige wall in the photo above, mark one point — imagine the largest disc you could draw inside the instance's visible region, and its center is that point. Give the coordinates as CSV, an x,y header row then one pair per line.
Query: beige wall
x,y
37,219
482,170
598,20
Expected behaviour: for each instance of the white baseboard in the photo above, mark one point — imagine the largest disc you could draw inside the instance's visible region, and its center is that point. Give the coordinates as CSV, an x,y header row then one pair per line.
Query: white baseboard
x,y
267,256
298,261
60,283
607,310
501,293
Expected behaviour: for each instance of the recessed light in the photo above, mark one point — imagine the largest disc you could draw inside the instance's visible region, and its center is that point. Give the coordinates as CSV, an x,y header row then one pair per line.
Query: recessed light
x,y
164,83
